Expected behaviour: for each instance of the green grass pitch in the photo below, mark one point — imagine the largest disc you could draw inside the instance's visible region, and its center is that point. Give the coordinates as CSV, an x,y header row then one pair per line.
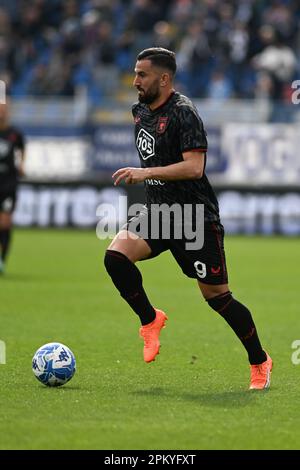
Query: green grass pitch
x,y
194,396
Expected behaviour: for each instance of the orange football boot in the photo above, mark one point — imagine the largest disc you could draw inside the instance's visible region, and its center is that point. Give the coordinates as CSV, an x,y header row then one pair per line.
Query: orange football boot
x,y
150,333
261,374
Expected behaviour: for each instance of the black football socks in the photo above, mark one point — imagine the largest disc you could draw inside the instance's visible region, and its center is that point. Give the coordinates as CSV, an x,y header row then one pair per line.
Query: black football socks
x,y
5,236
240,320
128,280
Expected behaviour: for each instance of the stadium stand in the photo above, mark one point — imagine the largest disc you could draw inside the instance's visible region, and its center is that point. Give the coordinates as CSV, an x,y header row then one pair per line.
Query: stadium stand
x,y
246,49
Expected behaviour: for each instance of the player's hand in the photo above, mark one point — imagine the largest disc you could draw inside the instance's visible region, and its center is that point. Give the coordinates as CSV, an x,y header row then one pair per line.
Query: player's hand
x,y
129,175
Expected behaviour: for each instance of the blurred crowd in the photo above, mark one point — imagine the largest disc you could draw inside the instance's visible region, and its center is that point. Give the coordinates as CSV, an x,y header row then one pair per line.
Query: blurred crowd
x,y
240,49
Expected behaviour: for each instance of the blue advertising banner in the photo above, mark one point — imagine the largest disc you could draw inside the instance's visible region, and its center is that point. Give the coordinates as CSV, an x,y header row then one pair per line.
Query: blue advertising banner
x,y
114,147
238,154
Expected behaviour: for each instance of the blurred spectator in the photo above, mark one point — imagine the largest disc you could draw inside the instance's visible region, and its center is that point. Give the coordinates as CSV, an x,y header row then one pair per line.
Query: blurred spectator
x,y
220,87
194,60
276,65
51,79
101,60
279,62
142,17
164,35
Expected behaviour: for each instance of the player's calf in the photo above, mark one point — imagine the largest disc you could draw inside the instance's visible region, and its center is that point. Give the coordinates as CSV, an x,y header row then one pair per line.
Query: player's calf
x,y
129,282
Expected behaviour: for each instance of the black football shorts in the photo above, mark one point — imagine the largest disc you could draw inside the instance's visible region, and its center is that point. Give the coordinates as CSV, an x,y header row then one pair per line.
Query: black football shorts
x,y
7,201
207,264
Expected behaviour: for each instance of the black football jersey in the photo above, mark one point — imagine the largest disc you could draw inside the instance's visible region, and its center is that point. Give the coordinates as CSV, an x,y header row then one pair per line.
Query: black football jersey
x,y
161,137
11,140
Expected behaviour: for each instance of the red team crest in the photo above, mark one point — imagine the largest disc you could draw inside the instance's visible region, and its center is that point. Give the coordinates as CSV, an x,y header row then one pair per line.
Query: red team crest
x,y
161,124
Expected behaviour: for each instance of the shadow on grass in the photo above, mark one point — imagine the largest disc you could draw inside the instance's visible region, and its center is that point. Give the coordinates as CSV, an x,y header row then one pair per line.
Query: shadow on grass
x,y
234,399
62,388
230,399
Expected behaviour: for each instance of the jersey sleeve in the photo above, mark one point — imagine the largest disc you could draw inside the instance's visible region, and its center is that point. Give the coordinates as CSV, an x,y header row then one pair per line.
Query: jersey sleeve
x,y
191,131
20,141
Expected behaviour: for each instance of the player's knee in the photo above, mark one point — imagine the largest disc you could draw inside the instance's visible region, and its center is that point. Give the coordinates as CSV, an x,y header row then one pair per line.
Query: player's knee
x,y
5,221
220,302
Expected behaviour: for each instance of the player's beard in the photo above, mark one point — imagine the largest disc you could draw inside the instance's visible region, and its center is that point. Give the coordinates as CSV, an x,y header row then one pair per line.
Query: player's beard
x,y
151,95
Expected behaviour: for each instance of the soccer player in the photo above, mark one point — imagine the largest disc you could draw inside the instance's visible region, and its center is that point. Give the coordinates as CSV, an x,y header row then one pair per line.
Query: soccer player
x,y
172,146
11,167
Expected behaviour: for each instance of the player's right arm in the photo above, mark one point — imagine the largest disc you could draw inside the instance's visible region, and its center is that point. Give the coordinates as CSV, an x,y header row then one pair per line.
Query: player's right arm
x,y
192,146
192,167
